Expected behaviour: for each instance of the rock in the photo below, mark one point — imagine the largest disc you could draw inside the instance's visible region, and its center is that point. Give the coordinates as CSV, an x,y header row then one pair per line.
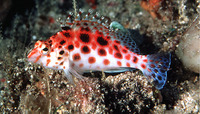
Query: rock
x,y
188,49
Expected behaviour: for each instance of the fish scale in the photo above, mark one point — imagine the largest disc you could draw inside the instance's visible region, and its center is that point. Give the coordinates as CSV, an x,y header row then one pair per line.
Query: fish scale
x,y
88,45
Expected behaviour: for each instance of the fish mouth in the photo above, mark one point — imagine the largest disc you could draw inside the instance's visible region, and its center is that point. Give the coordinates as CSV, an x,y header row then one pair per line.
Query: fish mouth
x,y
34,56
32,53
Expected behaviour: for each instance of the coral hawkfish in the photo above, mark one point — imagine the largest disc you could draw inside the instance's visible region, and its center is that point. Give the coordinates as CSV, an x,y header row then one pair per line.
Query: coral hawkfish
x,y
89,44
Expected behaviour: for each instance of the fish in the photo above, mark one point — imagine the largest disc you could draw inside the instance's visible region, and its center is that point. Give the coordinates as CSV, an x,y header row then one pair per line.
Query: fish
x,y
87,43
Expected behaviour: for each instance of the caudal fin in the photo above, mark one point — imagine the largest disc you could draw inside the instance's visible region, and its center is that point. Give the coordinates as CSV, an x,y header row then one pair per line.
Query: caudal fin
x,y
157,67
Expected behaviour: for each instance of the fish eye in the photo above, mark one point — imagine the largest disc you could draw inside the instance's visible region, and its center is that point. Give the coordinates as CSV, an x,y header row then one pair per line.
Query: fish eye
x,y
45,49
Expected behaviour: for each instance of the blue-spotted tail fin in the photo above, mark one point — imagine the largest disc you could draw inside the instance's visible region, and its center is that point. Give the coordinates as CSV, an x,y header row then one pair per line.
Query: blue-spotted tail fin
x,y
157,67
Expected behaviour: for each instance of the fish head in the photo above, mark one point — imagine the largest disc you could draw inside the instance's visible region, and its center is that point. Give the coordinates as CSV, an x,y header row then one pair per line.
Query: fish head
x,y
44,53
37,52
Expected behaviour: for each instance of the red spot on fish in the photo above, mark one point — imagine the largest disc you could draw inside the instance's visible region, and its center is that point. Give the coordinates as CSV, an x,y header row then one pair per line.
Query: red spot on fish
x,y
108,37
48,55
135,59
61,52
149,69
66,34
119,63
52,50
101,41
152,65
85,38
62,42
85,49
48,61
106,62
70,47
143,66
76,57
118,55
117,42
91,60
128,57
124,51
151,60
128,64
126,47
62,63
110,50
59,58
102,52
115,47
145,60
81,65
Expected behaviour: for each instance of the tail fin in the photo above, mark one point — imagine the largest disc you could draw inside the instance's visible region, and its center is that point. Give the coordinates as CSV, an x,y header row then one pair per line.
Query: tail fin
x,y
157,67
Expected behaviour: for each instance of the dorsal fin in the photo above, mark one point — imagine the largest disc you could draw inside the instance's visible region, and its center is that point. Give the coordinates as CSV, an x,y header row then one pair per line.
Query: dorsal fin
x,y
86,19
124,36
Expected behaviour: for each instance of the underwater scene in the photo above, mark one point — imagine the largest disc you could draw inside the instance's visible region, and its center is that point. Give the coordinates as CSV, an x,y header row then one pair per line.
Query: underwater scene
x,y
99,56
